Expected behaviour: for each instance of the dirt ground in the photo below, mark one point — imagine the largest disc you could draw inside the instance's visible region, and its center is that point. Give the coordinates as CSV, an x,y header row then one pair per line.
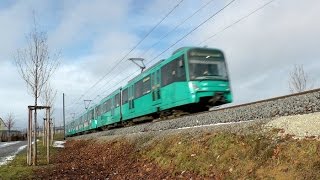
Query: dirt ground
x,y
111,160
211,155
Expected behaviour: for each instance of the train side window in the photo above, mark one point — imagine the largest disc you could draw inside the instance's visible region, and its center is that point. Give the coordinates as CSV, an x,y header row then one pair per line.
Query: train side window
x,y
164,75
173,71
152,79
117,100
83,118
91,114
180,62
107,105
146,85
181,73
98,110
125,96
158,77
138,89
104,107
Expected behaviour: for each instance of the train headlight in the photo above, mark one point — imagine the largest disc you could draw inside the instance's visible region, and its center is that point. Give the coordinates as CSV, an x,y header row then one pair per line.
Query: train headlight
x,y
195,87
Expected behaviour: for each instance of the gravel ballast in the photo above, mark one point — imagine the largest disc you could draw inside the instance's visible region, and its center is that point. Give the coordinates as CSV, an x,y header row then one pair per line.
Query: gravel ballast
x,y
287,106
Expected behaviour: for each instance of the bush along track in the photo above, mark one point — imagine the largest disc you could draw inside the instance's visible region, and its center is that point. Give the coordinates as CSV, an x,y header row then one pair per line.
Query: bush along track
x,y
219,155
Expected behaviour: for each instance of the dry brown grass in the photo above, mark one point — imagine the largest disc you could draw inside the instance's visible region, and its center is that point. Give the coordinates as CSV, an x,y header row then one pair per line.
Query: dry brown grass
x,y
220,155
235,156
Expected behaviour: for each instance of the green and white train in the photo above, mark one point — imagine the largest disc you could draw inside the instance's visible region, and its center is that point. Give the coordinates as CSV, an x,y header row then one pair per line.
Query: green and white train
x,y
193,79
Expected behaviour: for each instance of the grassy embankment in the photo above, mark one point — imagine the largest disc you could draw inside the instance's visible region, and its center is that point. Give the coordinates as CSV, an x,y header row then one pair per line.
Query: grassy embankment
x,y
234,156
18,168
220,155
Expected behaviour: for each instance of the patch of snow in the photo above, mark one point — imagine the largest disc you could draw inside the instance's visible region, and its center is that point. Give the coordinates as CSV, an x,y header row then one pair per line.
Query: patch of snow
x,y
6,159
59,144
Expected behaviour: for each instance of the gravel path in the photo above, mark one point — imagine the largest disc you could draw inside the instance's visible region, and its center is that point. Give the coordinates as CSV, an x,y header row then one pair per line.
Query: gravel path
x,y
299,125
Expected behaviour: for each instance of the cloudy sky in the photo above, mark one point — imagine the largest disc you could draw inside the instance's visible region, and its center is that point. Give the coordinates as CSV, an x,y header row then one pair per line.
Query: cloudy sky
x,y
94,38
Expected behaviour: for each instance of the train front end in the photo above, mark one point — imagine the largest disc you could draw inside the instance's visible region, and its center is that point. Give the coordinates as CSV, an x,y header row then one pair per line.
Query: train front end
x,y
208,77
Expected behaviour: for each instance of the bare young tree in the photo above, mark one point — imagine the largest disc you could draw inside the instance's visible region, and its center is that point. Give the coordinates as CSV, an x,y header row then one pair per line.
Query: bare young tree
x,y
47,98
299,80
9,122
36,65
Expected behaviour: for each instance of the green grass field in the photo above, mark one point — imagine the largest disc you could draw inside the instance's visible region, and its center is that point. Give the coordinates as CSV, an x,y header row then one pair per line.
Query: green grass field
x,y
18,168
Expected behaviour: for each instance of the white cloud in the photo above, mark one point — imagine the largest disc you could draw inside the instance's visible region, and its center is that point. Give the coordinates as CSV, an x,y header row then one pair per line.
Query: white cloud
x,y
260,50
83,20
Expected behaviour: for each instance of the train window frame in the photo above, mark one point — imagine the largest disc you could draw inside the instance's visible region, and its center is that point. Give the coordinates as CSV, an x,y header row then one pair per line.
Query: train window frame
x,y
107,105
125,96
117,100
91,113
146,85
97,109
208,57
174,71
138,89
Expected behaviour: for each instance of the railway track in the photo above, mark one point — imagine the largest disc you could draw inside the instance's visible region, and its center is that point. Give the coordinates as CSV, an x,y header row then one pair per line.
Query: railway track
x,y
299,103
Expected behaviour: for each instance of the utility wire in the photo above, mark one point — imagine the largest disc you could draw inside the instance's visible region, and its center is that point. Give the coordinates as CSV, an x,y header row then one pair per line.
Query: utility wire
x,y
236,22
197,11
227,27
213,15
132,49
176,27
203,22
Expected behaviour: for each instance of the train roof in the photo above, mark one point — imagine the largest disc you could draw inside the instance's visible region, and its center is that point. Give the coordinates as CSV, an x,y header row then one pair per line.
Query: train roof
x,y
109,96
177,52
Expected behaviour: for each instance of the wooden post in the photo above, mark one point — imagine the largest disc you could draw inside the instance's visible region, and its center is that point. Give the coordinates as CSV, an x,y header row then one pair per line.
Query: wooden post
x,y
47,134
34,157
32,135
51,131
44,132
64,118
29,135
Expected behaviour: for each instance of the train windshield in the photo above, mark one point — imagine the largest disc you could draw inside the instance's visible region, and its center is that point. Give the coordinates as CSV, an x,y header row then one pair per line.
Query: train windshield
x,y
204,64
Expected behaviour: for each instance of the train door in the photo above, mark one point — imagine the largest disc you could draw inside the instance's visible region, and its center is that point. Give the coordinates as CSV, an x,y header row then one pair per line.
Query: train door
x,y
116,107
155,83
131,98
112,108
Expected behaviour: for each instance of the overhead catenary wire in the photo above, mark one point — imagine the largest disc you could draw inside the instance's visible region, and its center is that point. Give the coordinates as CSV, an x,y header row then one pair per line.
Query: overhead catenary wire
x,y
214,35
227,27
176,27
164,36
195,28
132,49
202,23
237,21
